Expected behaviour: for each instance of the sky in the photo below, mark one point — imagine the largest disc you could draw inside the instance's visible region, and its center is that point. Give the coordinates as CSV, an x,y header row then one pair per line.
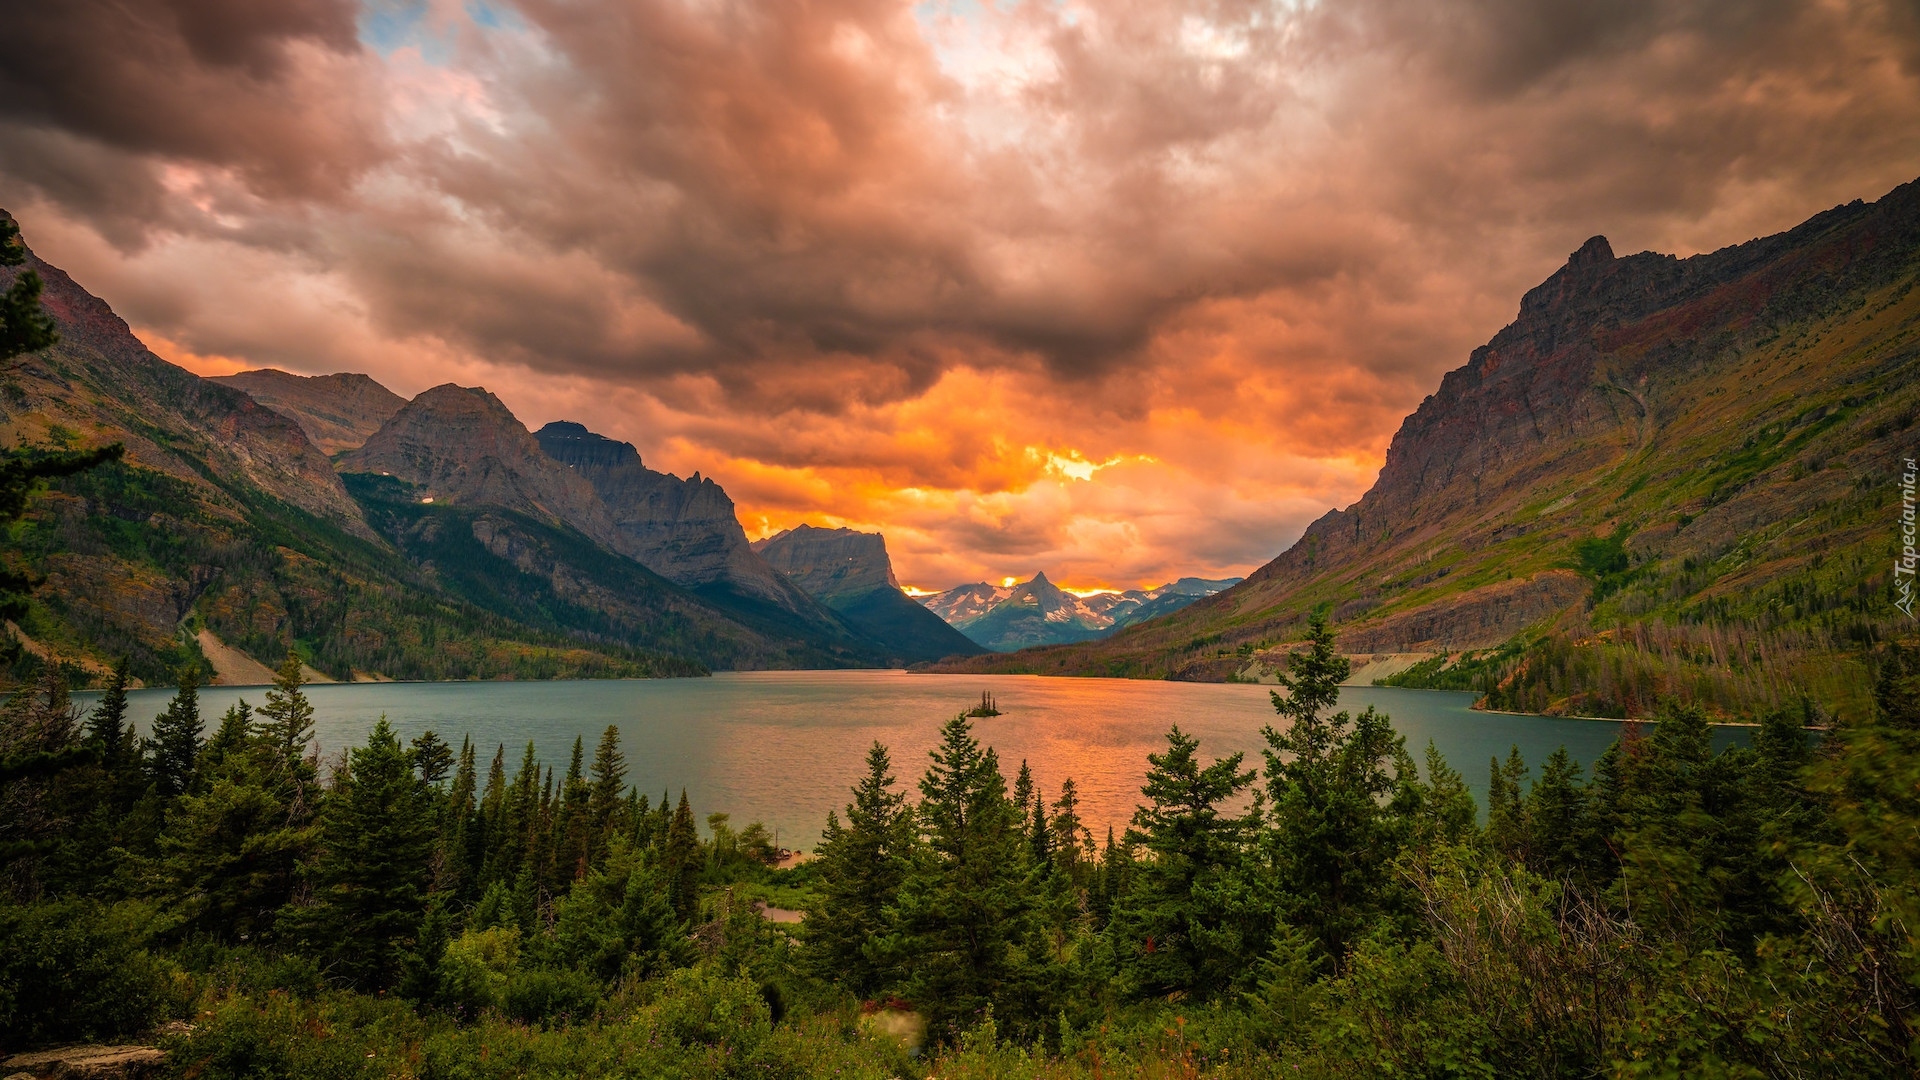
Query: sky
x,y
1121,291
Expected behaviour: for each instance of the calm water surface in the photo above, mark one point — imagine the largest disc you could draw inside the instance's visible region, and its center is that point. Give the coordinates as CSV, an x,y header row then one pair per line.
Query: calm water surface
x,y
784,747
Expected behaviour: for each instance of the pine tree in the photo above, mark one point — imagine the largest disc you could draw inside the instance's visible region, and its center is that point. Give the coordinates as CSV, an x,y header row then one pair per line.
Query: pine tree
x,y
963,902
286,733
1073,842
609,774
1189,922
107,727
861,866
1507,805
681,859
176,739
370,877
432,758
1332,840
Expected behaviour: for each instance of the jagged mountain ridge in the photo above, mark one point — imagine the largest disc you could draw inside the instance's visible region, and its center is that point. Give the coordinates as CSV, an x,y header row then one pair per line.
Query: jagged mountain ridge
x,y
1036,612
338,412
850,572
225,518
1661,479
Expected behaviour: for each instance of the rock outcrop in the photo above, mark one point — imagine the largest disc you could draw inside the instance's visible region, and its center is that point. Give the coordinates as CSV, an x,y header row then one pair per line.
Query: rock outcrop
x,y
87,1063
830,563
684,530
338,412
850,572
460,445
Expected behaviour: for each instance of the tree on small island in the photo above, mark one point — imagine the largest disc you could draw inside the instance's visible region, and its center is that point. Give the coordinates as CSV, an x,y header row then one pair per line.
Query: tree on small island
x,y
987,707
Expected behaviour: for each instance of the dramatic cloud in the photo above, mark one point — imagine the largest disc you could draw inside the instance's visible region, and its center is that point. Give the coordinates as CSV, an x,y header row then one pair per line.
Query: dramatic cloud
x,y
1117,290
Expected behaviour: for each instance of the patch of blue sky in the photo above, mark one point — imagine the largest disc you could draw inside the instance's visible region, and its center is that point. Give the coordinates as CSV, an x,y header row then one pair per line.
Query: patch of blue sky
x,y
387,26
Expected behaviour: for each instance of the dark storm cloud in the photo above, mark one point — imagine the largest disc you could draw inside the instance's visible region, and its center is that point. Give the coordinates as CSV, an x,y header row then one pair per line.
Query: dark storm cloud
x,y
265,88
924,269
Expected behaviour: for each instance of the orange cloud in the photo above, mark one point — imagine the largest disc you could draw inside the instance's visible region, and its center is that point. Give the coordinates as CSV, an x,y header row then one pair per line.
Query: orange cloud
x,y
1120,290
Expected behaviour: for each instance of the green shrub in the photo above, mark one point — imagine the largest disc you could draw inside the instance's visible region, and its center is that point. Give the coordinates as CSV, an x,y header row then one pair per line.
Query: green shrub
x,y
76,971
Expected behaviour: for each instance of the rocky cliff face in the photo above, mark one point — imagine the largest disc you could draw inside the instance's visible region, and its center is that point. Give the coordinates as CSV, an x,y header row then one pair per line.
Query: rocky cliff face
x,y
338,412
684,530
850,572
1725,424
461,446
830,563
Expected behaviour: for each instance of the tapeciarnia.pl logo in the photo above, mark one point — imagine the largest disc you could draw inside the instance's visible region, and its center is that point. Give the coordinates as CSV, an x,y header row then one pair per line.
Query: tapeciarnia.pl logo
x,y
1904,566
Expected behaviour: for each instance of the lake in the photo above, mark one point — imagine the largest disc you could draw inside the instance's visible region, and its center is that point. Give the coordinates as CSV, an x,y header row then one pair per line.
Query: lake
x,y
783,747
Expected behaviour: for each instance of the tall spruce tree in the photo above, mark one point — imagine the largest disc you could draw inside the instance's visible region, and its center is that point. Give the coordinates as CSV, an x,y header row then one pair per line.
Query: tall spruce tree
x,y
964,901
1332,841
371,873
1191,920
861,866
681,858
609,789
176,739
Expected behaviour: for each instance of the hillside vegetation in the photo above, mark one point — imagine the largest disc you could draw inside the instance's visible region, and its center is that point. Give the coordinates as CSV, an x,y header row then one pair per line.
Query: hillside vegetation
x,y
1667,478
417,911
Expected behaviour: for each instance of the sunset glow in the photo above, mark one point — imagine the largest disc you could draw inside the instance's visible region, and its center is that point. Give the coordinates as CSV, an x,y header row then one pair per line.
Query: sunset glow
x,y
1124,292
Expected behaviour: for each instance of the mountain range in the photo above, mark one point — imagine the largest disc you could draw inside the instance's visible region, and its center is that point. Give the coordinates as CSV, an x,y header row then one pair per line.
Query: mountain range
x,y
1005,618
1667,477
380,537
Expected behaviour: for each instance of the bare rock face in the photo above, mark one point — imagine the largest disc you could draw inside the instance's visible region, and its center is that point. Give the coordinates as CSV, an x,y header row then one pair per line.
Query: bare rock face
x,y
684,530
338,412
830,563
461,445
850,572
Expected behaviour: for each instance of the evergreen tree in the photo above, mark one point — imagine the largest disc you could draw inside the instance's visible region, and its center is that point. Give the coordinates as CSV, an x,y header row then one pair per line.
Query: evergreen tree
x,y
1191,919
861,866
609,775
963,902
176,739
370,877
1554,808
681,859
1072,840
285,734
432,758
1332,842
107,727
1507,805
24,325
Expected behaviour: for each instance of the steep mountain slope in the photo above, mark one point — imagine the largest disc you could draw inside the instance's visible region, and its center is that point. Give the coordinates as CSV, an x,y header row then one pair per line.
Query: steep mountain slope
x,y
1667,477
338,412
1005,618
225,517
850,572
687,532
461,446
460,449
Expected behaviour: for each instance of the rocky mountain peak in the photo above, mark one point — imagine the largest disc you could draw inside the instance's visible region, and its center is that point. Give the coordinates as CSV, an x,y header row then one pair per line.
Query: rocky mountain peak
x,y
462,445
338,412
830,563
684,530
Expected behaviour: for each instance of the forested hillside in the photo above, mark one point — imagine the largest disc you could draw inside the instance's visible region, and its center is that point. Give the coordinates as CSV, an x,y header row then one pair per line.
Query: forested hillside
x,y
419,910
